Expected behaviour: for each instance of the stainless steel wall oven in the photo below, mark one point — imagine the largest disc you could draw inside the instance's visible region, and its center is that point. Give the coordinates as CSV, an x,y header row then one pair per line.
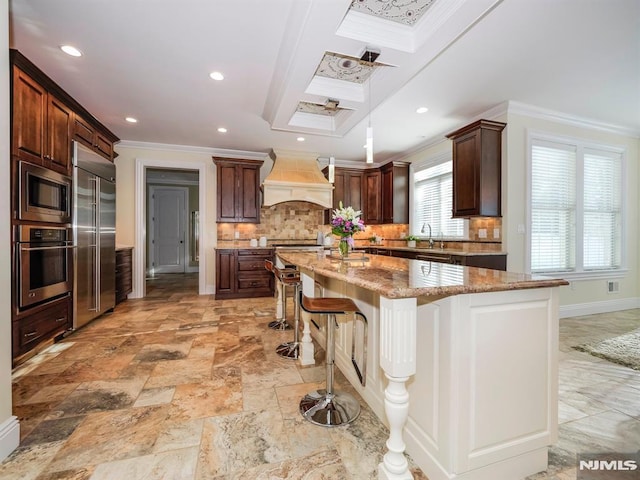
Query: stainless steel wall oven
x,y
44,264
44,195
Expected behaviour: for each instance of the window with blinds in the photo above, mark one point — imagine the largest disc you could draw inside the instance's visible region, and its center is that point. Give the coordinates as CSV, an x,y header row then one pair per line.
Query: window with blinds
x,y
576,207
433,202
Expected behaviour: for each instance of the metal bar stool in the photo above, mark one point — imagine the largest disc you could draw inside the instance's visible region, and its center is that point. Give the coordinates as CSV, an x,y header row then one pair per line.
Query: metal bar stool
x,y
290,278
327,407
278,324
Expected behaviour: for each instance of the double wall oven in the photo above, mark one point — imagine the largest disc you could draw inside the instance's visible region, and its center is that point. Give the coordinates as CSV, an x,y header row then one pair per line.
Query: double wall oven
x,y
43,244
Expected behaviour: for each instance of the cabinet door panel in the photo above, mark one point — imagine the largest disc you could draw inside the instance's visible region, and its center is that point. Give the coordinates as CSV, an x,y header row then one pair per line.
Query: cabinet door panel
x,y
225,268
355,191
248,195
29,117
59,135
226,193
465,197
372,208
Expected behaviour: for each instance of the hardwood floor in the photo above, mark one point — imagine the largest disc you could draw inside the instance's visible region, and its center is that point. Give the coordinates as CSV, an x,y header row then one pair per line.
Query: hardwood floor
x,y
181,386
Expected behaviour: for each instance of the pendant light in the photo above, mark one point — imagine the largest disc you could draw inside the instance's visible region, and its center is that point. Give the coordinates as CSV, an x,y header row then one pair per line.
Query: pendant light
x,y
369,56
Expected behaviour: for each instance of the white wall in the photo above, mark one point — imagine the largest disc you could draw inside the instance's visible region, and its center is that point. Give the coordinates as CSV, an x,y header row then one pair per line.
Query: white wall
x,y
9,429
126,196
582,296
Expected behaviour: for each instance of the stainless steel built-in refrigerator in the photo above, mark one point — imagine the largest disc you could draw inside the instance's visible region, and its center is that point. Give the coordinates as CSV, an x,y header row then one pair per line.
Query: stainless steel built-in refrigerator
x,y
94,228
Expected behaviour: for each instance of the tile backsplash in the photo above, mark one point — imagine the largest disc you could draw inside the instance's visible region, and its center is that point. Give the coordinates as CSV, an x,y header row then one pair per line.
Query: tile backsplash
x,y
302,221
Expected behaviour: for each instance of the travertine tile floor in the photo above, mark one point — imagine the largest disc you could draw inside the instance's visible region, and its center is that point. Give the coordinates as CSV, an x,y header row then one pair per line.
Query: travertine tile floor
x,y
181,386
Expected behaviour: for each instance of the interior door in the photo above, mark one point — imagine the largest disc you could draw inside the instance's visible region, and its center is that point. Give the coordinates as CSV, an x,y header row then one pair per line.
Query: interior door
x,y
169,220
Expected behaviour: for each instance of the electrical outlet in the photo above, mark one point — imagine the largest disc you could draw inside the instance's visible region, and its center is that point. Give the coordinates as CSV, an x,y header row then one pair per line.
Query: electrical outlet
x,y
236,235
496,233
482,233
521,228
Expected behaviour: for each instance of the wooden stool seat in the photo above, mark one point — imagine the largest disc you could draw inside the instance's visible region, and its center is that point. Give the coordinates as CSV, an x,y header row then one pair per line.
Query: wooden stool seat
x,y
329,305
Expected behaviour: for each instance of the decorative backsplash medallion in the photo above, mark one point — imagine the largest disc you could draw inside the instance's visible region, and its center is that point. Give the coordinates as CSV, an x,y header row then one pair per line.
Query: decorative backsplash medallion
x,y
407,12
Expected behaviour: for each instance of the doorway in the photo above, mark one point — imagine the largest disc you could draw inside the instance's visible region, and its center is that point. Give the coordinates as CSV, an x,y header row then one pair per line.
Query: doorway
x,y
168,238
162,175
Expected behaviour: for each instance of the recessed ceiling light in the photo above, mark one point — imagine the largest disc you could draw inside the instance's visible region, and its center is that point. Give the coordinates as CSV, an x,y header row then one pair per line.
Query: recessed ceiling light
x,y
216,76
222,130
70,50
131,120
422,110
300,139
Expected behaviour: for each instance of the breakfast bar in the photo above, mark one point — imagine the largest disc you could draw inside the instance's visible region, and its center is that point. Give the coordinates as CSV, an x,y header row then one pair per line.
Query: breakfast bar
x,y
462,360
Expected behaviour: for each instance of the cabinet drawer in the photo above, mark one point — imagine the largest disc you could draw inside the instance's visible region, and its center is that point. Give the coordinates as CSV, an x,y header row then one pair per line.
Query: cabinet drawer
x,y
260,282
263,252
251,264
46,323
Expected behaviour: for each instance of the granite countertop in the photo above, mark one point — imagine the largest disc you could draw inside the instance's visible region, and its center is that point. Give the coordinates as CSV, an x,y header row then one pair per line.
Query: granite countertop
x,y
244,244
435,250
394,277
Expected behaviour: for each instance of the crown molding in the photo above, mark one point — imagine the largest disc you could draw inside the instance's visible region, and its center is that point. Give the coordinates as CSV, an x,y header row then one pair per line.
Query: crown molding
x,y
518,108
216,152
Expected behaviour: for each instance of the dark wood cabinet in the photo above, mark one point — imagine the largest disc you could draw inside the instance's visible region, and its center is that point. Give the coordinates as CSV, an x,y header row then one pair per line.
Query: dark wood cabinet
x,y
348,188
238,194
382,194
124,279
44,120
477,169
41,125
92,138
395,192
41,323
372,208
240,273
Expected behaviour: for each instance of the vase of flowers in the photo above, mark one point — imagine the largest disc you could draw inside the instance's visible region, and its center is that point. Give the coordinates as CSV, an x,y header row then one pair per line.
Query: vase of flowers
x,y
346,221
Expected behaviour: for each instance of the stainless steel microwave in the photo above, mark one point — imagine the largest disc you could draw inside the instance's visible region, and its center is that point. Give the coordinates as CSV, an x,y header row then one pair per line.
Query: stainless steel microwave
x,y
44,195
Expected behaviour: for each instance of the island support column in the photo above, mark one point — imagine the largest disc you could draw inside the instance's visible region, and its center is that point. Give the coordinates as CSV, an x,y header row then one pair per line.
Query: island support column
x,y
307,350
398,360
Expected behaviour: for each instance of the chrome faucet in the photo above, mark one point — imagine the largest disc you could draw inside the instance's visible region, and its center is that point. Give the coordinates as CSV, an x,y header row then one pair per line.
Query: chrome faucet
x,y
430,237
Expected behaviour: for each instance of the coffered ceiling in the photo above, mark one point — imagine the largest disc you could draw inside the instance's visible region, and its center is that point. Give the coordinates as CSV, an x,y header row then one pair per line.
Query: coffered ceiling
x,y
294,68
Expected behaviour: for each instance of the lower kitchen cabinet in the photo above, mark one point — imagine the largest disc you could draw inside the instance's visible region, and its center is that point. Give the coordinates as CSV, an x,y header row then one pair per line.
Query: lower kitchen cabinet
x,y
124,280
40,324
240,273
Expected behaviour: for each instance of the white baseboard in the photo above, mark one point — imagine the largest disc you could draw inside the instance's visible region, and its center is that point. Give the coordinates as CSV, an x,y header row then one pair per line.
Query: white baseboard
x,y
606,306
9,436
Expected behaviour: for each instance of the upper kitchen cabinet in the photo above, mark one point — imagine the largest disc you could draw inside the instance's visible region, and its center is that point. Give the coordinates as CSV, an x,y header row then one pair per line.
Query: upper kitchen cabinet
x,y
44,120
477,168
348,188
41,131
372,208
238,195
85,133
395,192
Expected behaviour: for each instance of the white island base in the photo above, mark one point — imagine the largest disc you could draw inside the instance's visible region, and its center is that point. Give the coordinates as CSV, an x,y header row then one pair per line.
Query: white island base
x,y
468,382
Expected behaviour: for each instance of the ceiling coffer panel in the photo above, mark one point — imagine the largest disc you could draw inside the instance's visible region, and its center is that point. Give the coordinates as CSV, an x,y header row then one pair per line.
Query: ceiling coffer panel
x,y
407,12
344,67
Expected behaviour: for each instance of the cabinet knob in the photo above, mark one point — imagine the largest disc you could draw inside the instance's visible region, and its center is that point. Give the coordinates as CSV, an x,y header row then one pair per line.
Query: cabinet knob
x,y
61,319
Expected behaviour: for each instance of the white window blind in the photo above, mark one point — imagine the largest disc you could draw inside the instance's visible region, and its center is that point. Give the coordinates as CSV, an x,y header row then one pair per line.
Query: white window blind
x,y
576,206
602,210
433,202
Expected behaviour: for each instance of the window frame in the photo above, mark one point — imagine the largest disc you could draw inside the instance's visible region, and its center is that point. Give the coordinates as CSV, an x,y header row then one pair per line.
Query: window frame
x,y
416,167
581,144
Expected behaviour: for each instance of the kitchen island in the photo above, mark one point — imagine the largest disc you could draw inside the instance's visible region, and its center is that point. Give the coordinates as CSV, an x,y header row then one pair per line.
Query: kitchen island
x,y
462,361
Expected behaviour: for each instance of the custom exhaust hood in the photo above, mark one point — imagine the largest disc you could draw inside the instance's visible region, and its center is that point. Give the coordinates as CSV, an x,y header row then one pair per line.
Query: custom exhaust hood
x,y
296,177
